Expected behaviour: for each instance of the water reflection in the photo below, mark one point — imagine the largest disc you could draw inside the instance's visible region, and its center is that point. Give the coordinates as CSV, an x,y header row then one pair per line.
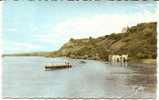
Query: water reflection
x,y
143,79
122,64
145,73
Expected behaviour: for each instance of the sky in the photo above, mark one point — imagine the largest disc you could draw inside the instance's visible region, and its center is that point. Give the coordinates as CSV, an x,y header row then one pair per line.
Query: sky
x,y
30,26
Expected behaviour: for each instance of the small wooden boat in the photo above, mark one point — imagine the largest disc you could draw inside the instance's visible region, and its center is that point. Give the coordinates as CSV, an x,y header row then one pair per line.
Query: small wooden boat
x,y
57,66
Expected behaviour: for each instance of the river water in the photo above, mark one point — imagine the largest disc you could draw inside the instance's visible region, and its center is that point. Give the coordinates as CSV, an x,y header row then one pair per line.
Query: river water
x,y
26,77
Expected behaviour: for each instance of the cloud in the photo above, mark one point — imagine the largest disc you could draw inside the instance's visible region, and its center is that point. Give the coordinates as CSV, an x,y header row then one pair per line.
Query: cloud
x,y
46,38
103,24
11,29
1,6
54,41
26,45
13,47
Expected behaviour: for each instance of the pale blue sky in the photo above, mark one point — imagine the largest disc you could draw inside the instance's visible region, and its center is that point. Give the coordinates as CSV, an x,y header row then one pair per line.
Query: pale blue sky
x,y
45,26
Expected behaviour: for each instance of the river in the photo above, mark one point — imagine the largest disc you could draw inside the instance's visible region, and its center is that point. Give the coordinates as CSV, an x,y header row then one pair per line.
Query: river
x,y
26,77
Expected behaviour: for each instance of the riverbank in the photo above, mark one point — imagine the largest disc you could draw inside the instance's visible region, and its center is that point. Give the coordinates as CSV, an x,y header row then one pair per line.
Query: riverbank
x,y
149,61
143,61
131,61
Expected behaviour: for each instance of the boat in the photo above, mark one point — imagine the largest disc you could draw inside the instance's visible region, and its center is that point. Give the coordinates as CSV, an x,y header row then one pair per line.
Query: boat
x,y
82,61
57,66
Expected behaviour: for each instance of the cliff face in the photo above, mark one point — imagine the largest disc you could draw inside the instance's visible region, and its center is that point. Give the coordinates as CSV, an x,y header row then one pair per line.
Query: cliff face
x,y
139,42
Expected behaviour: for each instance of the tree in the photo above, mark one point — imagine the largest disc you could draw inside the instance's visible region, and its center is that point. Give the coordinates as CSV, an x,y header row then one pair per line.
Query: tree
x,y
71,39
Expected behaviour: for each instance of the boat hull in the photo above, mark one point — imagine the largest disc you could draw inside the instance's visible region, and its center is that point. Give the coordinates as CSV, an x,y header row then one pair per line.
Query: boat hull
x,y
57,66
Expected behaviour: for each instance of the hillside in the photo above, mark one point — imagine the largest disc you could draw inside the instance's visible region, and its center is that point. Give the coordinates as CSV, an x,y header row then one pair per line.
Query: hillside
x,y
139,42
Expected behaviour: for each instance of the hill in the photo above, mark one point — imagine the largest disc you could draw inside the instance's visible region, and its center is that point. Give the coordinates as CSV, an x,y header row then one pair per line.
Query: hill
x,y
139,42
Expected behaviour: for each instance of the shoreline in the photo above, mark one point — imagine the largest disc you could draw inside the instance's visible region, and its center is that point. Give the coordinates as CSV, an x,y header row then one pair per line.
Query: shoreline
x,y
131,62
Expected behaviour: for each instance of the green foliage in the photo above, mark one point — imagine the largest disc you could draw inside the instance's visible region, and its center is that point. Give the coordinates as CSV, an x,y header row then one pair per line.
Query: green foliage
x,y
71,39
115,36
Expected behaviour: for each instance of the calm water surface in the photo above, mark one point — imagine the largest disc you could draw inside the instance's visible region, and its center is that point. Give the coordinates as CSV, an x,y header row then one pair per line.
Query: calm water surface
x,y
26,77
